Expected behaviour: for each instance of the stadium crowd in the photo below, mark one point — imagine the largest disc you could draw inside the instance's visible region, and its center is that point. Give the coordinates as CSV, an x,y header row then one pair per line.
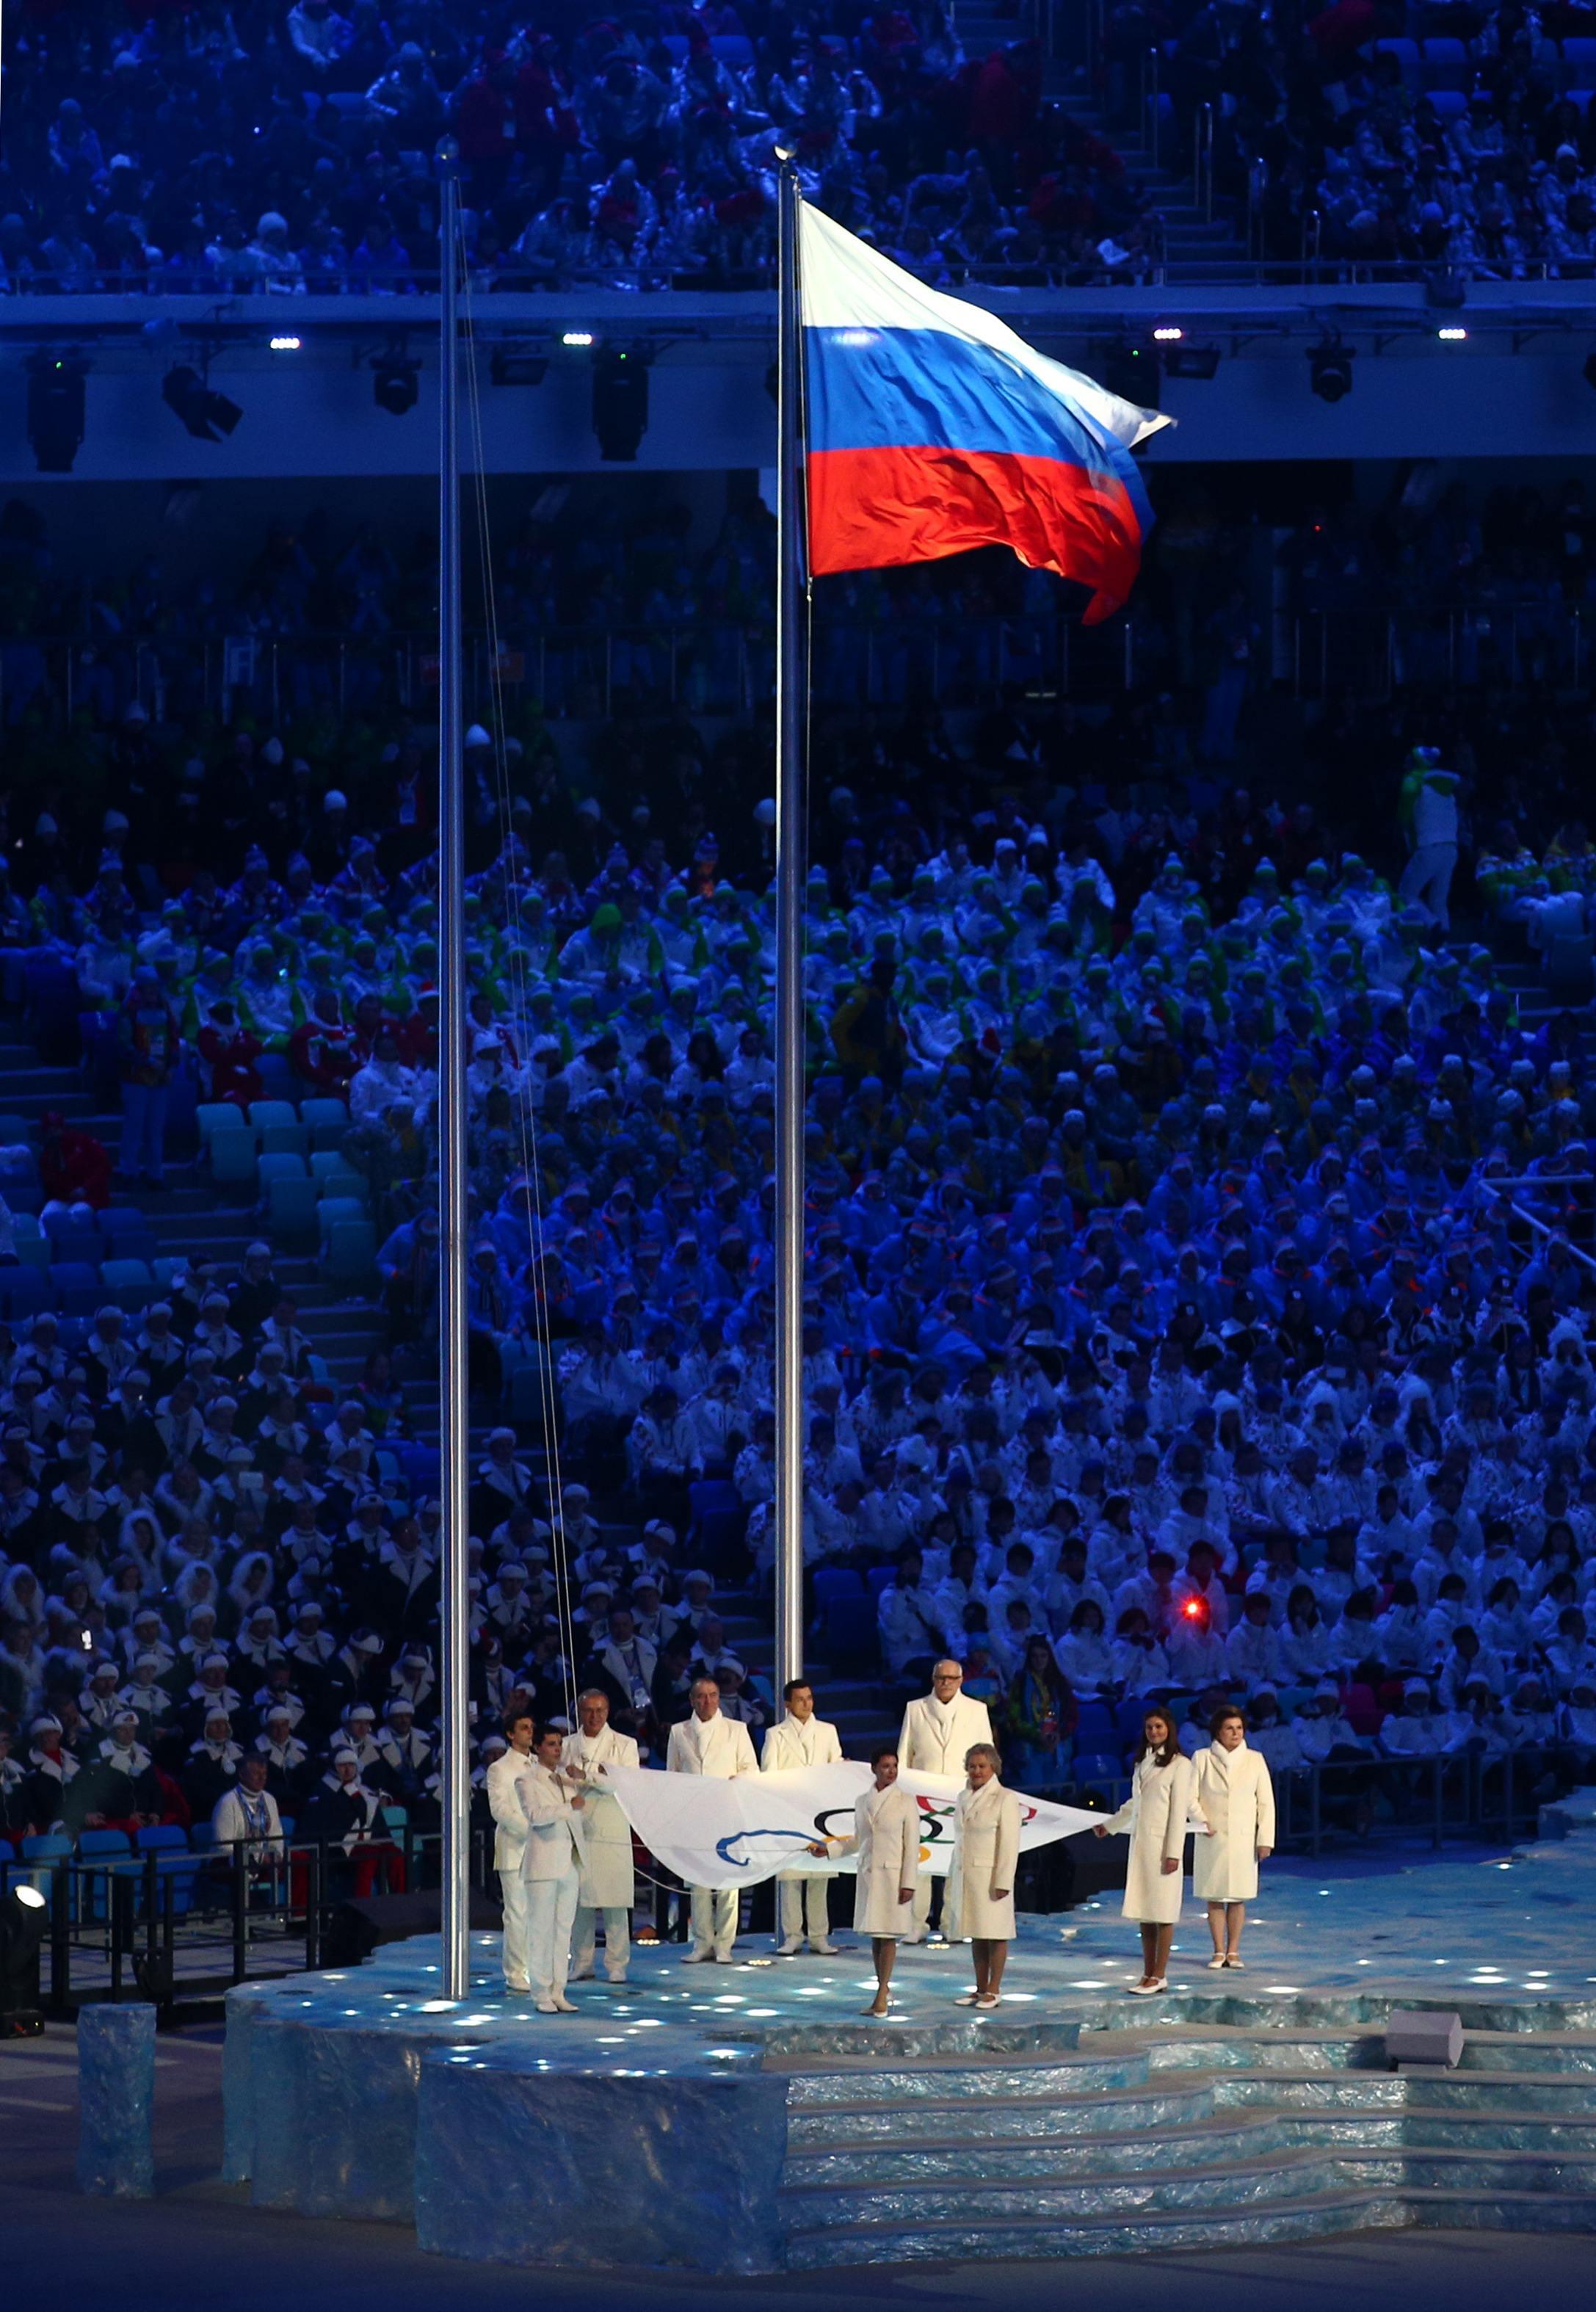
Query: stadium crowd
x,y
288,150
1166,1327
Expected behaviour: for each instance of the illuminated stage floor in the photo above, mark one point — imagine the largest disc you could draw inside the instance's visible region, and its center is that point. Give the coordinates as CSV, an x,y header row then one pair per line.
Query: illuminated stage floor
x,y
745,2117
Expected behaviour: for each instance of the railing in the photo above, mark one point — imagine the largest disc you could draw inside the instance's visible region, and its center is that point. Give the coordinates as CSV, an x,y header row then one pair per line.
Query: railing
x,y
187,1923
1202,162
726,668
1439,1794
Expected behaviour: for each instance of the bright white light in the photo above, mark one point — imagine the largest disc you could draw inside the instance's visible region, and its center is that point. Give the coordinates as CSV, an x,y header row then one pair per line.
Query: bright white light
x,y
855,337
435,2006
577,338
1453,335
28,1897
1167,333
284,345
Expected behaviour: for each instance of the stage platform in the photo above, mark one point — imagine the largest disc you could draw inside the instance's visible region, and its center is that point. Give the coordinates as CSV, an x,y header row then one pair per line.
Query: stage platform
x,y
746,2118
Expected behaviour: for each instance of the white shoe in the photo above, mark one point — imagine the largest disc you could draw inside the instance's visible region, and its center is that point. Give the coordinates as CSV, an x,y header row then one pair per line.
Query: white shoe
x,y
565,2006
1217,1960
968,1998
823,1948
517,1990
724,1958
699,1956
791,1948
1144,1990
1237,1965
618,1979
985,2001
547,2007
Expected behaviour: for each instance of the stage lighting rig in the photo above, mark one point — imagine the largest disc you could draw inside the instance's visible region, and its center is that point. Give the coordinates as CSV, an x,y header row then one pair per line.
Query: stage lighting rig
x,y
188,394
56,399
1329,367
620,402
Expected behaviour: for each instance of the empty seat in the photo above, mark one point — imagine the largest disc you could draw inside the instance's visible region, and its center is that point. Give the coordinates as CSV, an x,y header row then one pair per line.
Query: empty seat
x,y
25,1292
285,1139
1446,65
263,1112
1578,64
1407,54
328,1120
130,1284
351,1252
232,1159
213,1115
290,1204
283,1166
75,1288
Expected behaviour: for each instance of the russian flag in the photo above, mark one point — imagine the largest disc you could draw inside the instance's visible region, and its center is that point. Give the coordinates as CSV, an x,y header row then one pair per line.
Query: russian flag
x,y
932,427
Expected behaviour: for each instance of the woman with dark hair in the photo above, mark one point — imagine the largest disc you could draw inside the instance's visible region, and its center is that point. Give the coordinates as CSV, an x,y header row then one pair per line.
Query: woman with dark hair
x,y
1155,1817
1236,1799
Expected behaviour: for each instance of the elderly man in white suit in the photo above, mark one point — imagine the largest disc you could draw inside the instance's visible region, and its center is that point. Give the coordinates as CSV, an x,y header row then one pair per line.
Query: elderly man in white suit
x,y
802,1740
552,1862
706,1743
509,1843
938,1729
607,1886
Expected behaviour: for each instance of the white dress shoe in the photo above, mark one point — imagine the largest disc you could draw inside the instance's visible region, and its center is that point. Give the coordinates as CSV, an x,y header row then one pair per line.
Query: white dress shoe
x,y
823,1949
790,1949
564,2006
547,2007
699,1954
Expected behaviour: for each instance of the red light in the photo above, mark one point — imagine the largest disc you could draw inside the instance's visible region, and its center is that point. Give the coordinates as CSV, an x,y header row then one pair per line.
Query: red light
x,y
1192,1609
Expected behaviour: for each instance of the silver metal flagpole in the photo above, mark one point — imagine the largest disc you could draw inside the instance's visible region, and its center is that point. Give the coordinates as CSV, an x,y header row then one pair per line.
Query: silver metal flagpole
x,y
790,676
454,1791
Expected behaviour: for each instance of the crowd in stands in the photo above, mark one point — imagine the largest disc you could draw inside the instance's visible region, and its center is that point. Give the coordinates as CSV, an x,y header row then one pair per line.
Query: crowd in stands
x,y
255,147
1439,135
1166,1328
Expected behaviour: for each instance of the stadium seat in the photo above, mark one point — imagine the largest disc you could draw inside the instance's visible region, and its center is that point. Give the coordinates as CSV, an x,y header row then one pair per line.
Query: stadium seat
x,y
232,1159
1407,54
336,1175
72,1239
213,1115
879,1578
328,1120
286,1140
28,1241
351,1253
290,1204
1446,65
1578,64
128,1282
832,1582
850,1638
74,1288
25,1292
15,1132
332,1210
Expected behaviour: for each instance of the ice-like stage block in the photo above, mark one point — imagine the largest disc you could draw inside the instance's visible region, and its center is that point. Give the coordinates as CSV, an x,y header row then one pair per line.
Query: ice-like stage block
x,y
116,2078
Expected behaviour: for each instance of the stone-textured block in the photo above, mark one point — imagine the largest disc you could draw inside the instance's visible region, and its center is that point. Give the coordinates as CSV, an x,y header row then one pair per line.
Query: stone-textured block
x,y
333,2118
516,2166
116,2077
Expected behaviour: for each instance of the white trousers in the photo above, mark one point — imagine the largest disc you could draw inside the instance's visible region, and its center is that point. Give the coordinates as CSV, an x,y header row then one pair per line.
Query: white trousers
x,y
796,1895
1426,879
713,1913
617,1939
513,1887
551,1908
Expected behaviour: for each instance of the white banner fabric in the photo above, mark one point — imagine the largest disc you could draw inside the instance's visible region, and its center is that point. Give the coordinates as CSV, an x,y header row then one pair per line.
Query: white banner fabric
x,y
737,1833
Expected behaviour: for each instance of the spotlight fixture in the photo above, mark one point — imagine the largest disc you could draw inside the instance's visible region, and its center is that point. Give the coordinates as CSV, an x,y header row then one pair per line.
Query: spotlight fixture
x,y
1190,361
284,344
24,1915
1329,367
394,381
621,404
1168,333
1130,367
514,365
1454,335
55,410
205,414
578,338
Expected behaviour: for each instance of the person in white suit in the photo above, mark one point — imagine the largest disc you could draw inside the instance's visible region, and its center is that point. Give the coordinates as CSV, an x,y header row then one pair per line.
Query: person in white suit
x,y
802,1740
509,1843
938,1729
1236,1799
886,1838
608,1885
980,1901
552,1862
1155,1814
706,1743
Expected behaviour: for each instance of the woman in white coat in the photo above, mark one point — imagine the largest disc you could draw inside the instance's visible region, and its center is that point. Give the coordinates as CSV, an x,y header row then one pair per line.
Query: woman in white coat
x,y
1236,1799
980,1898
886,1841
1155,1817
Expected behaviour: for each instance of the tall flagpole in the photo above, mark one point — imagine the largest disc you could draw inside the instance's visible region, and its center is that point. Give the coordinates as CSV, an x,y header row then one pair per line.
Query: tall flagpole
x,y
790,673
454,1787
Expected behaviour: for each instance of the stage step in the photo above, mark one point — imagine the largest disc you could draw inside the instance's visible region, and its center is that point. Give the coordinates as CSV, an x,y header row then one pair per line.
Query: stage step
x,y
982,2118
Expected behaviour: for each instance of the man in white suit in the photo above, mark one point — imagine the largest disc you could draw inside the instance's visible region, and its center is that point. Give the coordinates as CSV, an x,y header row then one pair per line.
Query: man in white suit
x,y
802,1740
708,1744
607,1886
248,1811
938,1729
509,1843
552,1862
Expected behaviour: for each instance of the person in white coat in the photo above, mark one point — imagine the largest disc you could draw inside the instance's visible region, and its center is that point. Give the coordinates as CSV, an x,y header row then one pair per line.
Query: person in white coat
x,y
509,1842
938,1729
1236,1799
980,1905
607,1886
248,1811
802,1740
552,1862
886,1839
1154,1815
706,1743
